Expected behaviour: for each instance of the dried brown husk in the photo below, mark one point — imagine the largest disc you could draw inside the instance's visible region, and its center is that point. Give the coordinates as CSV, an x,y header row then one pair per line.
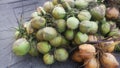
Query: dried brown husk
x,y
109,61
112,13
76,57
110,45
92,63
87,51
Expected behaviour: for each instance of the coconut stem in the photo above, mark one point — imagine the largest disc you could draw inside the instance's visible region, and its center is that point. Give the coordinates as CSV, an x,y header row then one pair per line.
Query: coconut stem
x,y
68,6
43,11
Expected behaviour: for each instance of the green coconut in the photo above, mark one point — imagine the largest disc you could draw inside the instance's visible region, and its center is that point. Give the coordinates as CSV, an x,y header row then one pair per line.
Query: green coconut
x,y
98,12
61,55
64,41
58,12
60,25
70,2
38,22
21,47
17,34
49,33
39,34
48,59
90,27
105,28
72,23
33,49
55,2
43,47
48,6
69,34
84,15
34,14
80,38
114,32
112,24
56,42
81,4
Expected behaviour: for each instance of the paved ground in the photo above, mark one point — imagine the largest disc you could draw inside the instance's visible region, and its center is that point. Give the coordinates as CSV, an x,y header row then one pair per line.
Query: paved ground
x,y
10,11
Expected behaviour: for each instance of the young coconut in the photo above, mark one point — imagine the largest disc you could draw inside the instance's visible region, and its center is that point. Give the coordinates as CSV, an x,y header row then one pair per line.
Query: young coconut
x,y
48,59
92,63
84,15
60,25
87,51
90,27
69,34
70,2
55,2
64,41
38,22
109,61
34,14
39,34
72,23
56,42
80,38
114,32
105,28
61,55
81,4
58,12
21,47
76,57
49,33
48,6
112,13
33,49
43,47
112,24
98,12
17,34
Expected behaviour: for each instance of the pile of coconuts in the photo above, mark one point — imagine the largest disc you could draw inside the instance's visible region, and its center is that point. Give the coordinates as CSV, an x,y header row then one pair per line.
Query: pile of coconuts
x,y
84,30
